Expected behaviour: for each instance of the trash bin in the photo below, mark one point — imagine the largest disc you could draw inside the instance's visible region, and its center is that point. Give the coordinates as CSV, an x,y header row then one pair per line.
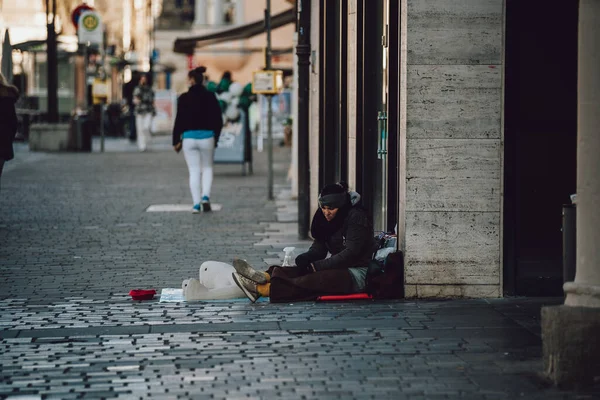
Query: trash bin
x,y
113,120
87,130
84,128
569,241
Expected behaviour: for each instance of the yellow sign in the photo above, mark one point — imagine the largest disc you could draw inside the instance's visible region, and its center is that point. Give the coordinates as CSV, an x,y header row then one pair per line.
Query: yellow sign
x,y
99,91
90,22
267,81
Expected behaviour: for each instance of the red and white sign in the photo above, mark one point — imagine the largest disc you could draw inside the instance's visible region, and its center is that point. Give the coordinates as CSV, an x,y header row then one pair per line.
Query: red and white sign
x,y
76,13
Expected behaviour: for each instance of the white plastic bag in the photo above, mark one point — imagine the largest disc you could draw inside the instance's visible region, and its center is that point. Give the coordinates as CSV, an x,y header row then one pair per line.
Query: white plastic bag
x,y
215,283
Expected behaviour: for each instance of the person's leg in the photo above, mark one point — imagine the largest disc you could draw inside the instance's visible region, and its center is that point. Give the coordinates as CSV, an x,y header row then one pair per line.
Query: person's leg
x,y
243,268
141,137
288,285
132,131
192,159
207,147
147,127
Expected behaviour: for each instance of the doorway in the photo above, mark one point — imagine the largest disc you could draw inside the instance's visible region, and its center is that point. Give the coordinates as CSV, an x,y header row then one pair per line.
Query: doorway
x,y
540,133
377,113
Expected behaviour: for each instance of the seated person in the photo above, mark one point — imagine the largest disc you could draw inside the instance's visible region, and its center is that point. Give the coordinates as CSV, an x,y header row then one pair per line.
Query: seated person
x,y
339,227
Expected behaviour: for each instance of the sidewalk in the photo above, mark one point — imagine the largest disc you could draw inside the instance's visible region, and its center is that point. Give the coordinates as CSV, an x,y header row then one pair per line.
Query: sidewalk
x,y
75,238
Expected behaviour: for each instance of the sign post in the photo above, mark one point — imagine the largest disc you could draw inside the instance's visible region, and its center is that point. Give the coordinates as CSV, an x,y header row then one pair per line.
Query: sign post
x,y
90,31
268,82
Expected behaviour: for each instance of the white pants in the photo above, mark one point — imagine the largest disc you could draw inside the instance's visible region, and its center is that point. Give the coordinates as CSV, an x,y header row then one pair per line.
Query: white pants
x,y
199,155
143,122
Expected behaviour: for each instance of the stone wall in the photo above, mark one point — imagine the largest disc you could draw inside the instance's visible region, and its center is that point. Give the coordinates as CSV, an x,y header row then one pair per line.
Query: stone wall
x,y
453,145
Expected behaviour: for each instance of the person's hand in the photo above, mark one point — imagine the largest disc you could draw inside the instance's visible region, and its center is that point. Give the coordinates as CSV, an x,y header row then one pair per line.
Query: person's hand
x,y
304,263
177,147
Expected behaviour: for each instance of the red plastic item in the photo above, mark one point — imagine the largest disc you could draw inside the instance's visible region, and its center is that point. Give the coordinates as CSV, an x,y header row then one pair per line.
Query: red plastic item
x,y
142,294
355,296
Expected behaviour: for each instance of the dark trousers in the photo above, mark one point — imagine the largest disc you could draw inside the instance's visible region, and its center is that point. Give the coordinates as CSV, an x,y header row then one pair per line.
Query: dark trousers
x,y
294,284
132,127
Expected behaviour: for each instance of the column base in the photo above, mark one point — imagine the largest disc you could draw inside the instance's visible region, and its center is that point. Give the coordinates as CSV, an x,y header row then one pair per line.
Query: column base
x,y
571,345
582,295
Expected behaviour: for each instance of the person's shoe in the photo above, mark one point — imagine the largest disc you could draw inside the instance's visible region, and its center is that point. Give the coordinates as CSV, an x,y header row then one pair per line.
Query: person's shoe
x,y
205,204
196,209
247,286
244,269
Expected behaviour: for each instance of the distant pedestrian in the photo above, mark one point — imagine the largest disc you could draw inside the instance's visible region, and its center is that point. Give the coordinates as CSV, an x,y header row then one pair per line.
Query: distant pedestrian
x,y
339,227
197,129
8,120
225,82
143,99
128,89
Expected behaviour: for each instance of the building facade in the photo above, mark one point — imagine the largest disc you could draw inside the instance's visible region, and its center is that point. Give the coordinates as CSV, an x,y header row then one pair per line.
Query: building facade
x,y
181,20
128,44
440,114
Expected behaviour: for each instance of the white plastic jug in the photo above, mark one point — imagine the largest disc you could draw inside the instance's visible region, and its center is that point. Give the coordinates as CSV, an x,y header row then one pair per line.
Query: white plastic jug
x,y
288,257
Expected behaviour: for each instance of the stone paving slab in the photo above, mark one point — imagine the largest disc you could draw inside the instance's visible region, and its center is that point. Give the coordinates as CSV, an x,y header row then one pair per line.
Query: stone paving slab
x,y
348,364
75,238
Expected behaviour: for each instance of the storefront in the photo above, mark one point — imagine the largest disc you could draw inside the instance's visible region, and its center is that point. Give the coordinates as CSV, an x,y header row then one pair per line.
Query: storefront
x,y
420,107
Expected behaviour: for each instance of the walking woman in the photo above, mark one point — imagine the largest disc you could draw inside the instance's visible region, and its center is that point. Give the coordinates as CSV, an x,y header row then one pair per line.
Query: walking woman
x,y
8,118
197,129
143,99
339,227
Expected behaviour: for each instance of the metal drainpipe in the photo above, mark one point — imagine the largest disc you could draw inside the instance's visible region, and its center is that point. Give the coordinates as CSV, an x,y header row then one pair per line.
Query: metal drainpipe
x,y
303,53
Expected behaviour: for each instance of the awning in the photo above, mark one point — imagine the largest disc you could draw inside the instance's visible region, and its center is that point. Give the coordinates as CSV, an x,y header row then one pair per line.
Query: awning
x,y
187,45
39,46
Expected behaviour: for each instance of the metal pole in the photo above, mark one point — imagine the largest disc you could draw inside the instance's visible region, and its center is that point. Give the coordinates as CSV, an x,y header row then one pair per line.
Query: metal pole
x,y
51,64
269,97
270,144
102,111
303,52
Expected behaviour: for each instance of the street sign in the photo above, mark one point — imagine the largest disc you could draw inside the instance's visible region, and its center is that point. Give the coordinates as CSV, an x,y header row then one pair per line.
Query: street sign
x,y
90,29
76,13
267,81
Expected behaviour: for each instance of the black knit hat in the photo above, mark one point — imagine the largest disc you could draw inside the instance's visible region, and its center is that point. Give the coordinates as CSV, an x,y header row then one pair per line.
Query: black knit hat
x,y
334,195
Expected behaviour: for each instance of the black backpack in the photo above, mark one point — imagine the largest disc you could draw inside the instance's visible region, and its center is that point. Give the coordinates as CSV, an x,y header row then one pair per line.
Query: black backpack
x,y
385,280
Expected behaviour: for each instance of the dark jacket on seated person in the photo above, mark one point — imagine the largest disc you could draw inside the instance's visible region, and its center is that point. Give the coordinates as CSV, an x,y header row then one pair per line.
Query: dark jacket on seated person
x,y
351,243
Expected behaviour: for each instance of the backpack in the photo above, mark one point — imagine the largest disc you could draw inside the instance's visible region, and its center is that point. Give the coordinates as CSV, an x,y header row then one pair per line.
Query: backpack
x,y
385,279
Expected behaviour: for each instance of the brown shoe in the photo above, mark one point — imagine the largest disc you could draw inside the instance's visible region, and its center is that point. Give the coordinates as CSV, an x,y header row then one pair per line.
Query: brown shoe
x,y
247,286
244,269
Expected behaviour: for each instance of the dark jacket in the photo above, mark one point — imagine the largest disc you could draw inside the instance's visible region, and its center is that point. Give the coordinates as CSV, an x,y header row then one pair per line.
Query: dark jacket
x,y
351,246
197,109
8,121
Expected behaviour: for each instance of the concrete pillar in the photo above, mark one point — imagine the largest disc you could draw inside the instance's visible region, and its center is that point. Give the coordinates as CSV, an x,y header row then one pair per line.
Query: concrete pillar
x,y
570,332
240,13
218,12
200,12
585,291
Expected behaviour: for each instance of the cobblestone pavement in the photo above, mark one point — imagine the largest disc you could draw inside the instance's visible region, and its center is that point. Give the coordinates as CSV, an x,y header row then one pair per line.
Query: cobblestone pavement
x,y
75,238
